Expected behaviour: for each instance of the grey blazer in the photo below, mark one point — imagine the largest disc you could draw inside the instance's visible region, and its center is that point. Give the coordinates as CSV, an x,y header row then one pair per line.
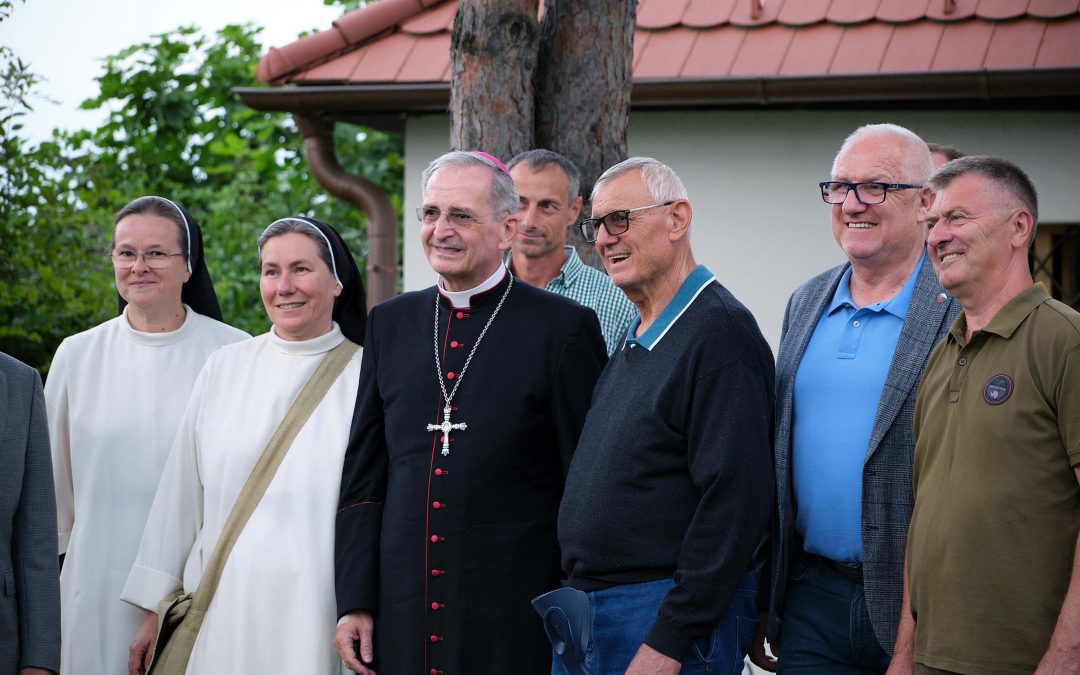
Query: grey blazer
x,y
887,496
29,566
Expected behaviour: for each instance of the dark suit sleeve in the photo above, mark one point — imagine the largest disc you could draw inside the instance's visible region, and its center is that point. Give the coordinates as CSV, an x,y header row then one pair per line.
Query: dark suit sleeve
x,y
34,545
363,490
582,357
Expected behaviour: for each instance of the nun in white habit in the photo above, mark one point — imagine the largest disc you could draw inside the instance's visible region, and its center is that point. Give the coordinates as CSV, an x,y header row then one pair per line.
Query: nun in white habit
x,y
274,609
114,397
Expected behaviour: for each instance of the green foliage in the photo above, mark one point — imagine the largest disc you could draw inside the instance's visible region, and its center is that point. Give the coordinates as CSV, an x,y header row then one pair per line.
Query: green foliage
x,y
345,5
175,129
6,6
39,296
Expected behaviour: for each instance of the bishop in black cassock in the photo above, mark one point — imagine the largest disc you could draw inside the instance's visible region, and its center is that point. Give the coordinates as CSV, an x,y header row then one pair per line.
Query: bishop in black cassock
x,y
446,550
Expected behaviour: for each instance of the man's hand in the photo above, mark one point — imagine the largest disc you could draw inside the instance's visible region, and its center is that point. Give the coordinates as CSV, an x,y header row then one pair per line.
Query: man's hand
x,y
141,649
1063,653
358,627
903,663
648,661
1059,661
758,656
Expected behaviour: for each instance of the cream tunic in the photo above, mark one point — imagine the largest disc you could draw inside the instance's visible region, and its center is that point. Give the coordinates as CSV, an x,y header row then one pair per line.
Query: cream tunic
x,y
274,610
114,398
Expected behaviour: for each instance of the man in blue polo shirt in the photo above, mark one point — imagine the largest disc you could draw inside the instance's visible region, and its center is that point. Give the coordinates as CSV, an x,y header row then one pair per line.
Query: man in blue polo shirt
x,y
854,344
666,510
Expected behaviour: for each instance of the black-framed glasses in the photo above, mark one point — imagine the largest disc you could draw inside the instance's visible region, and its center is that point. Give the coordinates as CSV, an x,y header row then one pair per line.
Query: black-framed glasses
x,y
873,192
154,259
616,222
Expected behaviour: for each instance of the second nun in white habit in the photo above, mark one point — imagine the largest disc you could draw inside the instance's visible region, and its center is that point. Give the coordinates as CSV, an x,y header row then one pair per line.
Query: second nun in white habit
x,y
274,609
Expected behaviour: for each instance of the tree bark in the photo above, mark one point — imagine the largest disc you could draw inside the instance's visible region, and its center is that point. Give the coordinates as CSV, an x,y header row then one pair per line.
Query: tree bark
x,y
493,54
563,84
583,82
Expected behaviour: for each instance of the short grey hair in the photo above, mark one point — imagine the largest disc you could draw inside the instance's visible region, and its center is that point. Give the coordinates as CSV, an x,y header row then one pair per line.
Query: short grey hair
x,y
540,159
301,226
663,183
917,165
1006,177
503,195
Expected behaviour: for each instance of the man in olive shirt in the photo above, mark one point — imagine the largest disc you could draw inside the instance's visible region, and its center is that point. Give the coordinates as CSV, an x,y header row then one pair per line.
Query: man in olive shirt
x,y
993,568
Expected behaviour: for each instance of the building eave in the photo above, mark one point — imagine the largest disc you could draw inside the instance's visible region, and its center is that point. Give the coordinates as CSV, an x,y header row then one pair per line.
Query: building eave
x,y
1059,88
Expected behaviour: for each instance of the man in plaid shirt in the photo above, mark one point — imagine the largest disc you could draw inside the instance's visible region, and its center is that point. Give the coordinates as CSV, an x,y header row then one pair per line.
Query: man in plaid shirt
x,y
548,184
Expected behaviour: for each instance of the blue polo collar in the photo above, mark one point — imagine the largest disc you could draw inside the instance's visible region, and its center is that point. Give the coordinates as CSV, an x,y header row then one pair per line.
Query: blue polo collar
x,y
690,289
896,305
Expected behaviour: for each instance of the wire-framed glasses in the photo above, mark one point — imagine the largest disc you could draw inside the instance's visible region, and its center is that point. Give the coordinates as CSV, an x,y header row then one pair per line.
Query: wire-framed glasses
x,y
154,259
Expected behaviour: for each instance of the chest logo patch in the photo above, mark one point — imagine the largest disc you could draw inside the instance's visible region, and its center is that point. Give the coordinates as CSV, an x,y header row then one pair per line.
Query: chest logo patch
x,y
998,389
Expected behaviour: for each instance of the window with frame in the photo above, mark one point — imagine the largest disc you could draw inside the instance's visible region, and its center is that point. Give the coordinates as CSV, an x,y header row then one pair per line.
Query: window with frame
x,y
1054,259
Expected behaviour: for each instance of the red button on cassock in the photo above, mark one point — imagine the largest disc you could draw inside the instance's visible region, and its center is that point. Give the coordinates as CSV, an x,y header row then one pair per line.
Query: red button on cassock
x,y
440,472
453,344
436,538
461,315
435,638
435,671
438,605
450,375
437,505
437,573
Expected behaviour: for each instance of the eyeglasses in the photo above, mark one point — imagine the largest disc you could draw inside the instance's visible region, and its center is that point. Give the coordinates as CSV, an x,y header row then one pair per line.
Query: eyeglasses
x,y
125,259
835,192
616,222
429,215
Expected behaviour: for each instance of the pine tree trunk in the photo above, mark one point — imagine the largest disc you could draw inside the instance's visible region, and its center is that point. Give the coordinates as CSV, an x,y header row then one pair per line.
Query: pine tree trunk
x,y
493,51
563,84
583,82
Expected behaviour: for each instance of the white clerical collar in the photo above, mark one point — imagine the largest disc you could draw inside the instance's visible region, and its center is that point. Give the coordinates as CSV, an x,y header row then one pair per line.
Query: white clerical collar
x,y
464,298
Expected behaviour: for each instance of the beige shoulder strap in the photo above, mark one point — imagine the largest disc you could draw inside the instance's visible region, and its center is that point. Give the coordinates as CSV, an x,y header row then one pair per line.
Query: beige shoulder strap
x,y
309,398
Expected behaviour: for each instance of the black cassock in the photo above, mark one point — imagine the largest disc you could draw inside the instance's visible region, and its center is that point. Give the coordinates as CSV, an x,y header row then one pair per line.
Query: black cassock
x,y
449,550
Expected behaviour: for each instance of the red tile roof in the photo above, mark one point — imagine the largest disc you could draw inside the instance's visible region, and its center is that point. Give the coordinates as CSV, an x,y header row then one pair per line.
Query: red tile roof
x,y
394,46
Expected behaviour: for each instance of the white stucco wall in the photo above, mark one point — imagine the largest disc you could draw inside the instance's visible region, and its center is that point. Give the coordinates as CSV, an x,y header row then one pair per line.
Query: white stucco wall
x,y
759,222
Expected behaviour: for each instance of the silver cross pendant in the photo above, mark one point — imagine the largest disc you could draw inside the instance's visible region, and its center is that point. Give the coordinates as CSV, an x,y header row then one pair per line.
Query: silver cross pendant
x,y
446,427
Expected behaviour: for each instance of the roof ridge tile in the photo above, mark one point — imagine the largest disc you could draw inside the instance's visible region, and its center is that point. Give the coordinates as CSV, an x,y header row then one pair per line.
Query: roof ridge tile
x,y
958,11
436,19
803,12
849,12
346,32
1001,10
1053,9
708,13
902,11
743,15
659,14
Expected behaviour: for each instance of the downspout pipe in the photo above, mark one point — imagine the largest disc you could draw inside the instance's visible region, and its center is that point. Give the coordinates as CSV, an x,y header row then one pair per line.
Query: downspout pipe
x,y
382,267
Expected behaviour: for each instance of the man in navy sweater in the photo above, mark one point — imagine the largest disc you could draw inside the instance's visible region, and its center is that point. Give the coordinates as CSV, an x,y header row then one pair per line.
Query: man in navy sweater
x,y
667,505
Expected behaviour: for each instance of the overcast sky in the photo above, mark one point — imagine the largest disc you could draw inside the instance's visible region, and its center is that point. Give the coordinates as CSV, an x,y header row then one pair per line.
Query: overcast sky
x,y
65,41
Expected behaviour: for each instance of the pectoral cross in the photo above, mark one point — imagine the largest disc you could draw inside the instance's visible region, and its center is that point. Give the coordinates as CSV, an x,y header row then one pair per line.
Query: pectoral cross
x,y
446,427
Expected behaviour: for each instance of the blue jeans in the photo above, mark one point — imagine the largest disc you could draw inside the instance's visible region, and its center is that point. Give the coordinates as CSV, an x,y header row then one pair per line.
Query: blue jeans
x,y
826,625
623,615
